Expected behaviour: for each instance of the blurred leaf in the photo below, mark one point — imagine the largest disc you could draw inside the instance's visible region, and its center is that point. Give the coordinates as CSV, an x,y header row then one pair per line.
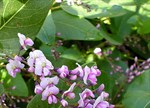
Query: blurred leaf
x,y
18,83
109,38
138,92
144,27
94,9
120,28
145,9
74,28
134,20
48,30
36,102
21,16
1,89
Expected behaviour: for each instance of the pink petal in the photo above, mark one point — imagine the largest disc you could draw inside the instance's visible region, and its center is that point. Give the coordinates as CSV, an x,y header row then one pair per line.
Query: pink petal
x,y
54,99
38,68
21,38
29,42
86,73
46,71
64,103
50,99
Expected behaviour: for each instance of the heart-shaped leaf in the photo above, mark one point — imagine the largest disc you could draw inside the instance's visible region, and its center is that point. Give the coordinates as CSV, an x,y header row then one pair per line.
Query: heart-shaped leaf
x,y
26,17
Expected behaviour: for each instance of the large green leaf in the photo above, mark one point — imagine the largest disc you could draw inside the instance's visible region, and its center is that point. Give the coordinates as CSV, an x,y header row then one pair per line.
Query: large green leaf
x,y
74,28
24,16
138,93
48,31
94,9
18,83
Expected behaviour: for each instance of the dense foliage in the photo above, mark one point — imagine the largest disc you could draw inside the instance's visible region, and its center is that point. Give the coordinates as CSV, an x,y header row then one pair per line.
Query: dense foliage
x,y
110,34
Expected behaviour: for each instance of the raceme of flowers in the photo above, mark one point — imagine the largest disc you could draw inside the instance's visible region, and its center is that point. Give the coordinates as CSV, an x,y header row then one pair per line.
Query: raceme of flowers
x,y
48,78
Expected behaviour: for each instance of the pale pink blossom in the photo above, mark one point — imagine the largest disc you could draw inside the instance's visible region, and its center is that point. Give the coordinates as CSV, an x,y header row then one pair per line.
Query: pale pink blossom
x,y
43,67
14,66
69,93
50,92
64,103
63,71
87,93
101,100
25,41
49,81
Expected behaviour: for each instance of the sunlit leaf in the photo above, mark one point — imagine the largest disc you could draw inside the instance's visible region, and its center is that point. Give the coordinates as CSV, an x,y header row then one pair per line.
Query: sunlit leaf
x,y
23,16
14,86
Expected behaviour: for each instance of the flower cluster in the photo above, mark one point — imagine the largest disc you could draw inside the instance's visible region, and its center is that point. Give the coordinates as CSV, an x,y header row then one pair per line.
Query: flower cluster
x,y
14,66
48,78
48,89
88,100
88,75
39,64
137,69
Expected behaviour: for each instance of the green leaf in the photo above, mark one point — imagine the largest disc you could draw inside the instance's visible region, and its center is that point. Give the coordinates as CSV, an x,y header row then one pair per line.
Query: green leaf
x,y
72,54
74,28
94,9
48,30
144,27
109,38
21,16
138,92
36,102
18,83
120,28
1,89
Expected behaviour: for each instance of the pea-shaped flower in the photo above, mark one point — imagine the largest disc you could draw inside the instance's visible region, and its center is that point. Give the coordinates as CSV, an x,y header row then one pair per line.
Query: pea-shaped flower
x,y
25,41
14,66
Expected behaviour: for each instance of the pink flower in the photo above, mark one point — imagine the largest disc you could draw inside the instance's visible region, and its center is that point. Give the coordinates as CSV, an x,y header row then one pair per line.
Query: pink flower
x,y
84,97
100,101
64,103
49,81
100,89
37,62
69,92
63,71
43,67
50,93
14,66
25,41
33,56
52,99
38,89
91,74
